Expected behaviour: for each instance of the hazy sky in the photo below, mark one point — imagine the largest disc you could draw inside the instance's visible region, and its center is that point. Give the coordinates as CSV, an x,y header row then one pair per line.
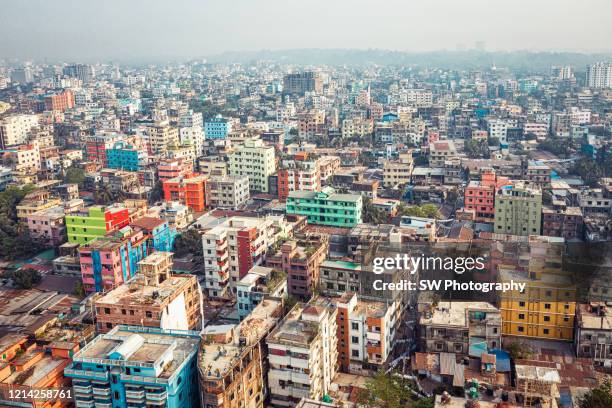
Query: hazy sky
x,y
85,29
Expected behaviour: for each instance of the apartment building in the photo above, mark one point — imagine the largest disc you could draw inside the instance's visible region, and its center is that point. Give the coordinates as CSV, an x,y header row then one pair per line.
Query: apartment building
x,y
227,192
518,210
125,156
357,127
547,307
159,234
231,249
258,284
152,298
593,337
233,360
441,151
562,221
255,160
96,145
327,167
302,82
311,123
337,277
300,259
297,175
463,328
160,136
25,158
189,190
193,137
326,207
599,75
170,168
366,333
36,201
479,196
397,172
498,129
137,366
47,226
109,261
96,221
212,166
14,129
303,354
60,101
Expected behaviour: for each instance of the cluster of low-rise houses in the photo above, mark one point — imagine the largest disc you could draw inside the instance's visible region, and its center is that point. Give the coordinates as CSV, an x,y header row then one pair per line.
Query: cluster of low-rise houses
x,y
290,191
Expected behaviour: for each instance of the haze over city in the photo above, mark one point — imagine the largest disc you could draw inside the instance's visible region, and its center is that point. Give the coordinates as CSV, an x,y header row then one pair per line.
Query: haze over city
x,y
65,29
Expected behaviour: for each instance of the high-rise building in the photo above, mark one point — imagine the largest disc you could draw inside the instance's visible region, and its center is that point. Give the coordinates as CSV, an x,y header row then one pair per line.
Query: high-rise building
x,y
518,210
137,366
480,196
397,172
125,156
599,75
300,83
97,144
255,160
217,128
60,101
296,175
153,298
80,71
303,353
160,137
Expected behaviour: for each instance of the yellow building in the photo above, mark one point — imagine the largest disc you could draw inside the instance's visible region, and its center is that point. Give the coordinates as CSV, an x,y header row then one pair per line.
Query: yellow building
x,y
546,308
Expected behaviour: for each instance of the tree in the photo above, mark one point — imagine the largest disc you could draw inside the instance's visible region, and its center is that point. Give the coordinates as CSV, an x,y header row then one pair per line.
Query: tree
x,y
79,290
588,170
476,149
519,350
189,242
493,141
371,214
600,397
391,391
75,175
15,241
26,278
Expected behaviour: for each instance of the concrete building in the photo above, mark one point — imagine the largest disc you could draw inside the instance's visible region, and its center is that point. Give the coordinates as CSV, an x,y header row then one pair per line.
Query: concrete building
x,y
463,328
159,137
217,128
227,192
59,101
231,249
14,129
559,220
599,75
518,210
302,82
479,197
109,261
297,175
255,160
124,156
189,190
357,127
96,221
152,298
212,166
300,259
441,151
193,136
258,284
170,168
159,234
397,172
303,354
326,207
47,226
498,129
137,366
233,360
593,337
366,333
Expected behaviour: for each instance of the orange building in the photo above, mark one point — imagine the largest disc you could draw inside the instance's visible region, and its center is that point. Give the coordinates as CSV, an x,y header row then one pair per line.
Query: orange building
x,y
24,367
171,168
189,190
60,101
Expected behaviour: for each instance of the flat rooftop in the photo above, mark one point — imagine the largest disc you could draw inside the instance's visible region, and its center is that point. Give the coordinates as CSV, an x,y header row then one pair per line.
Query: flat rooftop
x,y
136,292
454,313
156,342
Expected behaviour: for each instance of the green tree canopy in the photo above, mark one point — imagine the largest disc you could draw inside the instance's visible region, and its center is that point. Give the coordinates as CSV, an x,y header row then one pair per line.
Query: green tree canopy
x,y
600,397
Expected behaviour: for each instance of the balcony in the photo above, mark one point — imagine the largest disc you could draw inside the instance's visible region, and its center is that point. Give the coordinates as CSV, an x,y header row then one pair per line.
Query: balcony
x,y
157,396
84,404
135,394
81,389
104,392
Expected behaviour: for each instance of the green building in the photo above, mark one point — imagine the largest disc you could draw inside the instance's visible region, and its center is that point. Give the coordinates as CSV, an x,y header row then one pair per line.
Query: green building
x,y
518,210
95,222
326,207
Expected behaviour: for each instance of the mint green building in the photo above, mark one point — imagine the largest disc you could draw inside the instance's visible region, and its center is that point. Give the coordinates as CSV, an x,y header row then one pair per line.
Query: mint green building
x,y
326,207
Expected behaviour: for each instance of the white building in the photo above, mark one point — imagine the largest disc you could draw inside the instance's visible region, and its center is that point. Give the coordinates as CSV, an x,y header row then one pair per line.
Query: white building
x,y
599,75
193,136
255,160
14,129
498,129
227,192
303,354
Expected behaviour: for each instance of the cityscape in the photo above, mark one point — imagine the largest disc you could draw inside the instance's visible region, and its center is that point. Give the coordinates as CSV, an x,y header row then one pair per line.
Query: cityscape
x,y
308,227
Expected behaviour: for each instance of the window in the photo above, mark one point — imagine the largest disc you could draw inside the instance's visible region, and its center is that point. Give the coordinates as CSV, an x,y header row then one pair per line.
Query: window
x,y
522,304
354,339
545,331
547,318
521,316
354,353
149,314
547,306
521,329
355,326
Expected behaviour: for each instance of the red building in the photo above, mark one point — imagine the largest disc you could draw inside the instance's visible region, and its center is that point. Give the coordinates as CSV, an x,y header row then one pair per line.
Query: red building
x,y
480,196
171,168
189,190
60,101
97,144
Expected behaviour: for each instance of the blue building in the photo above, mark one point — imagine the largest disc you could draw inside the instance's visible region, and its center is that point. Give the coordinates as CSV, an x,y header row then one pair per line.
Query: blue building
x,y
217,128
134,366
124,156
160,235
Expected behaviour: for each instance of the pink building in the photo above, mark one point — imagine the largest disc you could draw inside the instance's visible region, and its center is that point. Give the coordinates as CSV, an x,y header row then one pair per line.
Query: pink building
x,y
480,196
109,261
171,168
47,226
